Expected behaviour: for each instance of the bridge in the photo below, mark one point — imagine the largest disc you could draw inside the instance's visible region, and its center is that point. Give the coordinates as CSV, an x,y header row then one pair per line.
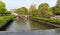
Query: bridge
x,y
19,16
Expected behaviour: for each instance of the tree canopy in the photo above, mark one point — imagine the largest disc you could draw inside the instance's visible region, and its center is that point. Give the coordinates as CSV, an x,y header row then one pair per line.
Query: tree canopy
x,y
22,10
32,7
44,9
2,5
57,8
3,9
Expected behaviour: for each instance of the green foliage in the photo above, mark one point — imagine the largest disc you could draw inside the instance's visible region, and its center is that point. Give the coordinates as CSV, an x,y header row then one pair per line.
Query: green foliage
x,y
5,19
3,10
52,20
43,6
35,13
44,9
2,5
7,13
22,11
57,10
32,7
52,9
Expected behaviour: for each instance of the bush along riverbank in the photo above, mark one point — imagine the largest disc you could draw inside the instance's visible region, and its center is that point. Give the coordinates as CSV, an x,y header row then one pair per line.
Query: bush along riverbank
x,y
51,20
5,19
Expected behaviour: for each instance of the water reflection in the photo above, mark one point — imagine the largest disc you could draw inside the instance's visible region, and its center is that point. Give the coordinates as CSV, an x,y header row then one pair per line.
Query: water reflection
x,y
40,26
32,28
16,26
25,25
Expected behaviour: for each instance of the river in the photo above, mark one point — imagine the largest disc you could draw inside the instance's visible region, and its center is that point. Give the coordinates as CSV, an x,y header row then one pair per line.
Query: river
x,y
32,27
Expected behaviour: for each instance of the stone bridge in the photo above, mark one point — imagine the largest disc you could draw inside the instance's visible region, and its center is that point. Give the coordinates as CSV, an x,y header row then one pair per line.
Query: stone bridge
x,y
25,17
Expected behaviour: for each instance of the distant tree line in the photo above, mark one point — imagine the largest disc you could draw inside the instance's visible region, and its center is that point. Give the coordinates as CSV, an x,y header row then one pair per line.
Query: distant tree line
x,y
43,10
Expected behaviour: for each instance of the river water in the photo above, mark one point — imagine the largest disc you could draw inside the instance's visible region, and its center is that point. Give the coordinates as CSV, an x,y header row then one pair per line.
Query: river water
x,y
29,25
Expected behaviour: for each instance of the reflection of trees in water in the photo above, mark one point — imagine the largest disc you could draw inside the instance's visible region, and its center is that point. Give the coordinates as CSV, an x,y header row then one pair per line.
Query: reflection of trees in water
x,y
20,20
40,26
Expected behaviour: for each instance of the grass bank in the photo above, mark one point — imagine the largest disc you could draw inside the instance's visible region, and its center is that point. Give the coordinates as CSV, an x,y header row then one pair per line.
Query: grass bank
x,y
5,19
52,20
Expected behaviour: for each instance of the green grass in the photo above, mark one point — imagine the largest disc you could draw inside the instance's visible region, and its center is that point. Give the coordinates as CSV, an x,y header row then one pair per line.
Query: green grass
x,y
52,20
5,19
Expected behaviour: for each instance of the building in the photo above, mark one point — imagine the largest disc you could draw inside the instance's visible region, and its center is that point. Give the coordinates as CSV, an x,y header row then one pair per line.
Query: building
x,y
13,10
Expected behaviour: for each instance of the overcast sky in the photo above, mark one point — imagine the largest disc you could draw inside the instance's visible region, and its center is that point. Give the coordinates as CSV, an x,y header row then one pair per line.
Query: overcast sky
x,y
11,4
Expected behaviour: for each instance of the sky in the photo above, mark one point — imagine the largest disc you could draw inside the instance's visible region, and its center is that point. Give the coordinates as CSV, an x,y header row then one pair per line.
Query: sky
x,y
11,4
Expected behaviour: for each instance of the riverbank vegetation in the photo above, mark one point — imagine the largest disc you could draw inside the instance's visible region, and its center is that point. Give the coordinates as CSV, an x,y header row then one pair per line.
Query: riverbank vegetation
x,y
5,19
51,20
5,15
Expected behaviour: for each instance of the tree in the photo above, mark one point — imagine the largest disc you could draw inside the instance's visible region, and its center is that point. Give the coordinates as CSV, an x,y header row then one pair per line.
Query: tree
x,y
33,11
22,11
2,5
52,9
44,9
2,8
8,13
43,6
48,14
32,7
57,10
58,3
57,7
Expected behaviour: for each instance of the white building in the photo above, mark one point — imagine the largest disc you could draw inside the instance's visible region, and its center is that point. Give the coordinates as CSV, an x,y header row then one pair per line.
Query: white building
x,y
13,10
